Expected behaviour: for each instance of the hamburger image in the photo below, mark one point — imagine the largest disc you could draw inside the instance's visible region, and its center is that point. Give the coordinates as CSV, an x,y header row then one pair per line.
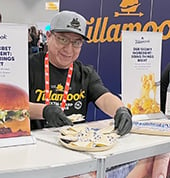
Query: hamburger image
x,y
14,115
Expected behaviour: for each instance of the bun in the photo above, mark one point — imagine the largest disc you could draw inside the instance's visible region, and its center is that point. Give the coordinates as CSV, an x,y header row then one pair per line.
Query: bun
x,y
13,98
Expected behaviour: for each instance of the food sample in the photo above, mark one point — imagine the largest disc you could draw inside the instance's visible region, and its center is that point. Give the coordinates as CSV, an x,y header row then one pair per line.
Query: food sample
x,y
76,118
84,138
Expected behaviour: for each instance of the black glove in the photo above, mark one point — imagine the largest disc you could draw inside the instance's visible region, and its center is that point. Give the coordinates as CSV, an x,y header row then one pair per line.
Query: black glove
x,y
55,117
123,121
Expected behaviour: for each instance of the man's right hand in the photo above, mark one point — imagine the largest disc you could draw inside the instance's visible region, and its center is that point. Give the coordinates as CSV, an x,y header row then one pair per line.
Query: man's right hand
x,y
55,117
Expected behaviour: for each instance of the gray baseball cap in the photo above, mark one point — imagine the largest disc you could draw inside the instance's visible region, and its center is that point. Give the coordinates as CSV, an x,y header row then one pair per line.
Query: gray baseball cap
x,y
69,21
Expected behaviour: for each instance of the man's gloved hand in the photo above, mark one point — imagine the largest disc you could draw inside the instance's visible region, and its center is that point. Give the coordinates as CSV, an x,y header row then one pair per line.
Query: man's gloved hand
x,y
123,121
55,117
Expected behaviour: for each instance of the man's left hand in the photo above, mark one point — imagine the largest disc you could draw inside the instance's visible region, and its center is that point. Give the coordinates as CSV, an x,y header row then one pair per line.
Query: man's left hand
x,y
123,121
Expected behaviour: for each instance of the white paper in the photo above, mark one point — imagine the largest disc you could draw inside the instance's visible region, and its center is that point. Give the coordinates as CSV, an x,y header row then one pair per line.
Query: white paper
x,y
141,58
14,55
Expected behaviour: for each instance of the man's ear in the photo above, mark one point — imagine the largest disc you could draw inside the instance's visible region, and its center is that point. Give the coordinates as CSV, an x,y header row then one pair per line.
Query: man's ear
x,y
48,34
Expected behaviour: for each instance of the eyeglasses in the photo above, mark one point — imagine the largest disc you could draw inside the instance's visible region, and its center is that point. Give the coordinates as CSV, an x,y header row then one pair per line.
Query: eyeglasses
x,y
63,40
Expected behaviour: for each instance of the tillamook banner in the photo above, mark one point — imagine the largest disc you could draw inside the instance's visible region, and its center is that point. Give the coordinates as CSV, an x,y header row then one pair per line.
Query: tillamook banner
x,y
14,100
141,63
105,21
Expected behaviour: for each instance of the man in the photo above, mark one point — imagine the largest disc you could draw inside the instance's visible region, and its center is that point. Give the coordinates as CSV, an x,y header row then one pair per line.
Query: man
x,y
50,100
60,85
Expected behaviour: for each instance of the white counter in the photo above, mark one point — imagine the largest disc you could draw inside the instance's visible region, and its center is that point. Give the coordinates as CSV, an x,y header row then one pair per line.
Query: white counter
x,y
47,158
43,160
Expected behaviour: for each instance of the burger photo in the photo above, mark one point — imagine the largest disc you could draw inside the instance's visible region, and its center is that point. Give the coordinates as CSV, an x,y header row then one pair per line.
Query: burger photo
x,y
14,115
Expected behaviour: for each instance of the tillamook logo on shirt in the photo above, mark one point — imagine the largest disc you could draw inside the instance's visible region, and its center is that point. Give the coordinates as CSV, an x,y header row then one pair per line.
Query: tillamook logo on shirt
x,y
58,96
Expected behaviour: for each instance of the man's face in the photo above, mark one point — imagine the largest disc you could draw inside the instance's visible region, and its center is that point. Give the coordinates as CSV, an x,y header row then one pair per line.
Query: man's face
x,y
63,48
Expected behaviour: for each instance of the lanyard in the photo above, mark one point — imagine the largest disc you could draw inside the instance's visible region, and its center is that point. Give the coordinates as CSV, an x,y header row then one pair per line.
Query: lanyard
x,y
47,83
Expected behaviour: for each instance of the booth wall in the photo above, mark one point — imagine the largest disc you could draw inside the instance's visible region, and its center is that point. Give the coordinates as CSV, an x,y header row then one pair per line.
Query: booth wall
x,y
104,52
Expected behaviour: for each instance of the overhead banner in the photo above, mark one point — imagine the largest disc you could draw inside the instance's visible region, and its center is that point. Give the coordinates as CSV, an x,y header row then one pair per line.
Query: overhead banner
x,y
141,64
54,6
14,98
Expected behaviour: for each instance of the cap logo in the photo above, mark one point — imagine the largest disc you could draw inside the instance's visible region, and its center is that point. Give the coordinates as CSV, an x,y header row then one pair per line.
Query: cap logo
x,y
74,24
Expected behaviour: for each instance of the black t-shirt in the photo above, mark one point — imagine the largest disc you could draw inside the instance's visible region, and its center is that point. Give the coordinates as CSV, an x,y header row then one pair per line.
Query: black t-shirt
x,y
86,85
164,86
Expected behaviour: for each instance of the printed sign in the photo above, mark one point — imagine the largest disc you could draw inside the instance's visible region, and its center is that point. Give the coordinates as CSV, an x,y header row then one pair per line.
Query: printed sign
x,y
14,102
141,63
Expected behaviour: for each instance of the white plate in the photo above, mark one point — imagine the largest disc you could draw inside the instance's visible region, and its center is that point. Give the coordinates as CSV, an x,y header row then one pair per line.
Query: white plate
x,y
78,148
